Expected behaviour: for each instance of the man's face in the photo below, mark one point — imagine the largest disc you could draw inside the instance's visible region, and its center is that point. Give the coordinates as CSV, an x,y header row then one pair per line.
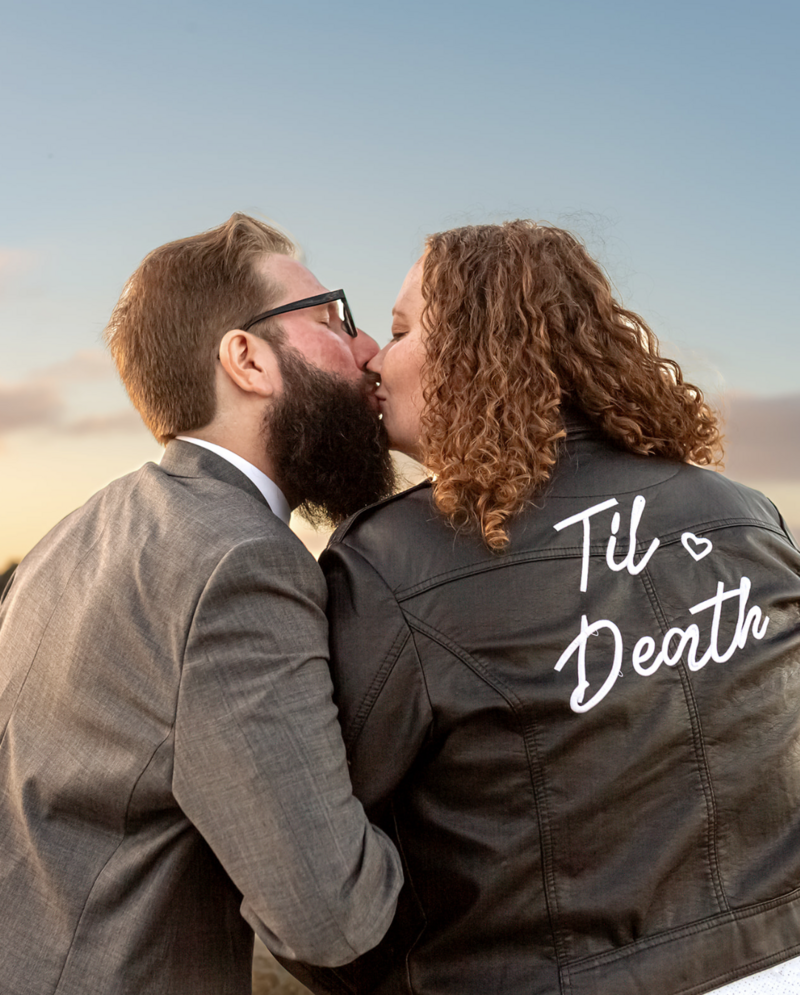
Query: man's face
x,y
323,434
316,332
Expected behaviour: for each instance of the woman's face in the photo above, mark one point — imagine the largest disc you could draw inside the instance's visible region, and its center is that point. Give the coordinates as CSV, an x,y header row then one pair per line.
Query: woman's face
x,y
399,365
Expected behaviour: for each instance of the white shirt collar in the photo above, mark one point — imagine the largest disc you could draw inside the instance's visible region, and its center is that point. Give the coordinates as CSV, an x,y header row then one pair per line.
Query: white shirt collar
x,y
273,495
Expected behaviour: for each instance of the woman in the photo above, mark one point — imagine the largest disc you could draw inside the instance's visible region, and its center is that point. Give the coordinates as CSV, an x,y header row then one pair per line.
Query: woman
x,y
568,666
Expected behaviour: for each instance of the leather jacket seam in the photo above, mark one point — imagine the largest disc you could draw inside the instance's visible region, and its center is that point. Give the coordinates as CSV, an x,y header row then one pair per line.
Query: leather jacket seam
x,y
381,676
535,773
342,531
584,964
701,758
567,552
704,774
565,495
376,686
753,967
467,658
508,559
655,603
715,525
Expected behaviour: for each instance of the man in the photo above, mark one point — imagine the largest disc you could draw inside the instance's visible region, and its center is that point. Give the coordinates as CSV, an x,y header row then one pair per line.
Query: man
x,y
169,750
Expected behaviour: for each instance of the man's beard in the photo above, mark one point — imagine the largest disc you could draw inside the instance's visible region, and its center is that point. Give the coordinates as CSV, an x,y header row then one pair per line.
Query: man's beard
x,y
327,446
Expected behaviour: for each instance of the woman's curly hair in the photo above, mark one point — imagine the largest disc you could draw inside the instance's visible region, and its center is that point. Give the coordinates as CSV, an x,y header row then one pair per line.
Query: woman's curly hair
x,y
519,321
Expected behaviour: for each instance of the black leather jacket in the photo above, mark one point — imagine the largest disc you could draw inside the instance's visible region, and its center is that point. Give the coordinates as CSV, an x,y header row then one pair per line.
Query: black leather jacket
x,y
587,752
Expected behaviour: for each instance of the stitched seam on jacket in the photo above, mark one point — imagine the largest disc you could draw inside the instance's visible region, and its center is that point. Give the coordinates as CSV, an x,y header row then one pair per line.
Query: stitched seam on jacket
x,y
110,857
46,626
701,758
705,780
566,552
507,560
458,651
650,590
728,976
382,675
585,964
722,523
535,772
377,684
133,788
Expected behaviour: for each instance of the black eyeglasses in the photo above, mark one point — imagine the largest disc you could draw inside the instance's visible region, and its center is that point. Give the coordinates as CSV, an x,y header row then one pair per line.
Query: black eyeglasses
x,y
345,315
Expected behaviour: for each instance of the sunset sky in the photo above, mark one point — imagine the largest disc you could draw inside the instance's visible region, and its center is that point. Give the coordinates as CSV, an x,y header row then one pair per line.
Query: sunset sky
x,y
665,134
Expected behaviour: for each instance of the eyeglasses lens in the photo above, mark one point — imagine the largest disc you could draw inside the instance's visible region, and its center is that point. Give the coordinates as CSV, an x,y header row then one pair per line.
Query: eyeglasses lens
x,y
346,318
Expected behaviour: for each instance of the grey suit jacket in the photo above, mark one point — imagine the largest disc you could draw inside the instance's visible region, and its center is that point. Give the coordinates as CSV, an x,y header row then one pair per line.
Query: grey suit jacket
x,y
170,752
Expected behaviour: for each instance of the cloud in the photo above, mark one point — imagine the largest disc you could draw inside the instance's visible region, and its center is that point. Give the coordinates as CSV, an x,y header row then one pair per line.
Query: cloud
x,y
762,440
28,405
39,400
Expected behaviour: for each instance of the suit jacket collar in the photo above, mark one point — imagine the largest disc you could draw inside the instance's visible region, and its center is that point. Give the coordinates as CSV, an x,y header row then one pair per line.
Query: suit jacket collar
x,y
182,459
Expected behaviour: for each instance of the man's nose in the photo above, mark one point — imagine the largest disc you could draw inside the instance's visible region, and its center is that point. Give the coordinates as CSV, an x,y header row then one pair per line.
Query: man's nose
x,y
364,348
375,363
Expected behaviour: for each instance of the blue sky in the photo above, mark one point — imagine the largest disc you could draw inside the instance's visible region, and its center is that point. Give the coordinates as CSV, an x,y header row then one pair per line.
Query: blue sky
x,y
665,134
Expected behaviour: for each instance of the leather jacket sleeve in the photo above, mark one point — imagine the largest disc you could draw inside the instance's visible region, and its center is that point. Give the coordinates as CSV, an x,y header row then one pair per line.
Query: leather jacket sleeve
x,y
383,701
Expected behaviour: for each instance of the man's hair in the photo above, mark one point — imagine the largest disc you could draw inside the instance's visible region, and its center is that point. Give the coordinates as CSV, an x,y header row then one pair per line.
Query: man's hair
x,y
165,330
519,321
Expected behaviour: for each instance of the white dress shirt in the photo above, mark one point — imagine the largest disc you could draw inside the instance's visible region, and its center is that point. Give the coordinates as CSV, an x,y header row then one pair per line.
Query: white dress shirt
x,y
273,495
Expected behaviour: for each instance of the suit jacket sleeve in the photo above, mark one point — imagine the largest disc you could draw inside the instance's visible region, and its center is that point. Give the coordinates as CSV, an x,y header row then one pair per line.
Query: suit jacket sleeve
x,y
260,766
384,708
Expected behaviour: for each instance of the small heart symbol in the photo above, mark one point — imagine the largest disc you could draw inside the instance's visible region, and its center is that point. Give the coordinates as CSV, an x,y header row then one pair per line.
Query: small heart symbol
x,y
696,546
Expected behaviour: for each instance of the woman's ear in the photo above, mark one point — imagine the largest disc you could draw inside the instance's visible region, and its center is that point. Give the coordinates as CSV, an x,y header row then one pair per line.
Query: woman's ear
x,y
250,363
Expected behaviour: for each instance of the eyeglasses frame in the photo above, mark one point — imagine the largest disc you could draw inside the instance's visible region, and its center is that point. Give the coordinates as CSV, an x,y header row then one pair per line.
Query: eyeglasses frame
x,y
327,298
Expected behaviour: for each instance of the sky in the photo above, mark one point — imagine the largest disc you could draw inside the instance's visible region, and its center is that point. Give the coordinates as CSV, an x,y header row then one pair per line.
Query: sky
x,y
666,135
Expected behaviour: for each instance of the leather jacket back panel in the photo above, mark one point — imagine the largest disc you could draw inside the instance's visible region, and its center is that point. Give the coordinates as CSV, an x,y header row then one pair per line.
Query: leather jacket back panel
x,y
586,748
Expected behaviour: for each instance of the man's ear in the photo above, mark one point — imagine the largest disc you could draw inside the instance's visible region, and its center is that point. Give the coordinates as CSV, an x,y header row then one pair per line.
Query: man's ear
x,y
250,362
